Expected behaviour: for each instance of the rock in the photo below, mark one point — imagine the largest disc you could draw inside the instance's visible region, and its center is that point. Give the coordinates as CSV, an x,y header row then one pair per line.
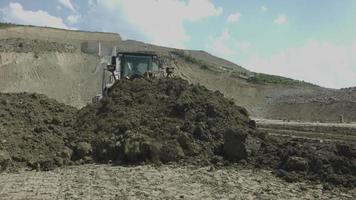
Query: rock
x,y
83,149
187,144
59,161
296,163
252,124
289,177
56,121
171,152
67,153
346,150
5,160
239,145
139,148
106,149
353,164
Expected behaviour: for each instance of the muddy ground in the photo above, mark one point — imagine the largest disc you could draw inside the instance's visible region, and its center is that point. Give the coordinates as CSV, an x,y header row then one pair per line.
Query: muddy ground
x,y
33,132
162,120
159,182
170,120
189,131
344,132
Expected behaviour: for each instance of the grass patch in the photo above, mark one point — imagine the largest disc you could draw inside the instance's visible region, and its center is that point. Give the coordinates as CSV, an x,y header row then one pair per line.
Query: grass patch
x,y
6,25
204,67
261,78
188,58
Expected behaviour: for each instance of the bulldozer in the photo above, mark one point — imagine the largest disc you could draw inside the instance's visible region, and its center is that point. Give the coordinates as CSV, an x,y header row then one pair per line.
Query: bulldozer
x,y
131,65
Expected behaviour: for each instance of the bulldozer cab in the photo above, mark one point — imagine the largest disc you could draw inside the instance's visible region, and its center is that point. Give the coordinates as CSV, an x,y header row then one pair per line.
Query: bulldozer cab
x,y
136,64
129,65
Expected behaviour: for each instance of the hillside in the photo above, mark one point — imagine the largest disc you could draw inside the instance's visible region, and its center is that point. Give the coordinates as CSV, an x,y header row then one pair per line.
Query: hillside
x,y
67,65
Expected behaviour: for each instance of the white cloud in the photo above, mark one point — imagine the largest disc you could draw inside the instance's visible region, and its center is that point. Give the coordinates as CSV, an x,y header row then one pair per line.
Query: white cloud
x,y
15,13
160,21
73,19
225,46
281,19
219,45
234,17
264,8
68,4
326,64
241,44
92,2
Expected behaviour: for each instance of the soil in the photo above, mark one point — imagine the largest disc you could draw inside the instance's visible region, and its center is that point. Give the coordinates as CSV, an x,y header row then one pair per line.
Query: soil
x,y
321,106
160,120
299,159
33,130
160,183
44,60
26,46
170,120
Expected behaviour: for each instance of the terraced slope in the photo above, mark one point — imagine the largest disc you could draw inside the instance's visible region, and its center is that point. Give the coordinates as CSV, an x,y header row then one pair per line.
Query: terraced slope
x,y
67,65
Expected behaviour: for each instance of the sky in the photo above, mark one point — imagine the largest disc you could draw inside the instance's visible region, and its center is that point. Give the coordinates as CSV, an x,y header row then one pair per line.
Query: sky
x,y
314,41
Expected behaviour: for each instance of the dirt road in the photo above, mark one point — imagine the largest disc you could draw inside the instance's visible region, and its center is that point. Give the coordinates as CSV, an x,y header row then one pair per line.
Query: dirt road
x,y
296,123
309,130
164,182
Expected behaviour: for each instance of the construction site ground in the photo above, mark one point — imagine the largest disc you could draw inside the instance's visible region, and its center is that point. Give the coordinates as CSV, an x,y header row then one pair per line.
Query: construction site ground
x,y
166,181
345,132
36,132
160,182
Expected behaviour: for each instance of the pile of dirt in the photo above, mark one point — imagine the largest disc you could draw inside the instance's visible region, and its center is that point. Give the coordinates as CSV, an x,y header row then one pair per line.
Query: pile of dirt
x,y
159,121
163,120
305,159
169,120
33,131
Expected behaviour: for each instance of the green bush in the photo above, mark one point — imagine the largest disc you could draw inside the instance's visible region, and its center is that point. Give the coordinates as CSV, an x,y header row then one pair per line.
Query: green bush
x,y
204,67
6,25
188,58
261,78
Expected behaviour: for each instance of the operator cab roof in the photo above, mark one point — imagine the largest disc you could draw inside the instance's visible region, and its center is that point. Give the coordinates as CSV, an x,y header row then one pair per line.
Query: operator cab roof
x,y
151,54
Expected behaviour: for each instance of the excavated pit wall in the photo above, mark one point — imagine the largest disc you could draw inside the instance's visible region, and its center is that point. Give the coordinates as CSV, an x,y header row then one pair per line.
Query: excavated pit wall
x,y
51,61
80,80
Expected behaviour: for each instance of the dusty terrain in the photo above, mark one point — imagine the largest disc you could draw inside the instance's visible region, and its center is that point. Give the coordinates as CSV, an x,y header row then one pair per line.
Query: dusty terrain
x,y
322,106
159,182
33,131
310,130
162,122
75,77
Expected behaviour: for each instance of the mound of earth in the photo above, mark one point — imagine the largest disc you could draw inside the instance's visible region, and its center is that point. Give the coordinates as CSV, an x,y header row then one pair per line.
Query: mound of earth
x,y
33,130
169,120
163,120
305,159
159,120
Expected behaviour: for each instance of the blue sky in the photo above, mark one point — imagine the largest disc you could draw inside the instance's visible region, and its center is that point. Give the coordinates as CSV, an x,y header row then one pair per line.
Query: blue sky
x,y
307,40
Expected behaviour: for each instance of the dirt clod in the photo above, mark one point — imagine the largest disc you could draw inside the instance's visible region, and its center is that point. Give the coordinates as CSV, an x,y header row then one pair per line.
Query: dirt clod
x,y
83,149
5,160
296,163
